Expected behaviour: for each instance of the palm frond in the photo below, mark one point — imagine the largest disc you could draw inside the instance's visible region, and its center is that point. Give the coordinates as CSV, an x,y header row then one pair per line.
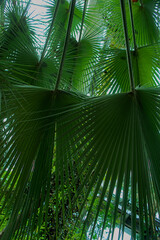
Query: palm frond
x,y
113,148
79,147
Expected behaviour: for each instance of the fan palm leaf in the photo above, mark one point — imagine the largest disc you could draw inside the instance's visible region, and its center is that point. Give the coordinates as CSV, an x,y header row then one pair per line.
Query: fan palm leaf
x,y
79,133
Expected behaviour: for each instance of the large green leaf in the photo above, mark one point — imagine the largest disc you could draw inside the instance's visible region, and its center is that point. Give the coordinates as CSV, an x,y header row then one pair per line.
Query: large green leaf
x,y
110,142
77,146
111,72
145,17
27,152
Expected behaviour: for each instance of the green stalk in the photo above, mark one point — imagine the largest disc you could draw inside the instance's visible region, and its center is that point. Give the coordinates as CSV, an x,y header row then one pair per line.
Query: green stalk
x,y
132,23
49,33
82,23
130,68
134,40
66,43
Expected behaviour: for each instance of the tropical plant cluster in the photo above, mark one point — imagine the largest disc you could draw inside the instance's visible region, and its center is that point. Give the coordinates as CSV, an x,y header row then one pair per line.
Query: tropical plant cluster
x,y
79,119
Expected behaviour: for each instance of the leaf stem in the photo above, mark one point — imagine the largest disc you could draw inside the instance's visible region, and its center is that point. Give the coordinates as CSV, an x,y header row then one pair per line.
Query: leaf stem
x,y
65,43
132,23
49,33
130,68
134,40
82,23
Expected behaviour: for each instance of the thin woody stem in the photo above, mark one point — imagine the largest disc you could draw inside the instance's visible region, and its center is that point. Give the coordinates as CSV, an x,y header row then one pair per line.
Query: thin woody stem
x,y
130,69
66,43
49,33
83,17
132,23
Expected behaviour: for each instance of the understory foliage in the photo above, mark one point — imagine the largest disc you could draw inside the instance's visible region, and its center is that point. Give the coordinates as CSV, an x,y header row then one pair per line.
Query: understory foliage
x,y
79,119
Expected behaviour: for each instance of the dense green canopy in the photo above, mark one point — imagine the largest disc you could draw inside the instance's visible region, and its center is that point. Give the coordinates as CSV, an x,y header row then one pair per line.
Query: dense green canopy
x,y
79,119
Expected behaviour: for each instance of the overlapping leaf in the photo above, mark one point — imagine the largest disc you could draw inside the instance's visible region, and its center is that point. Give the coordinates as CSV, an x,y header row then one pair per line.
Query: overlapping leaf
x,y
86,159
109,141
